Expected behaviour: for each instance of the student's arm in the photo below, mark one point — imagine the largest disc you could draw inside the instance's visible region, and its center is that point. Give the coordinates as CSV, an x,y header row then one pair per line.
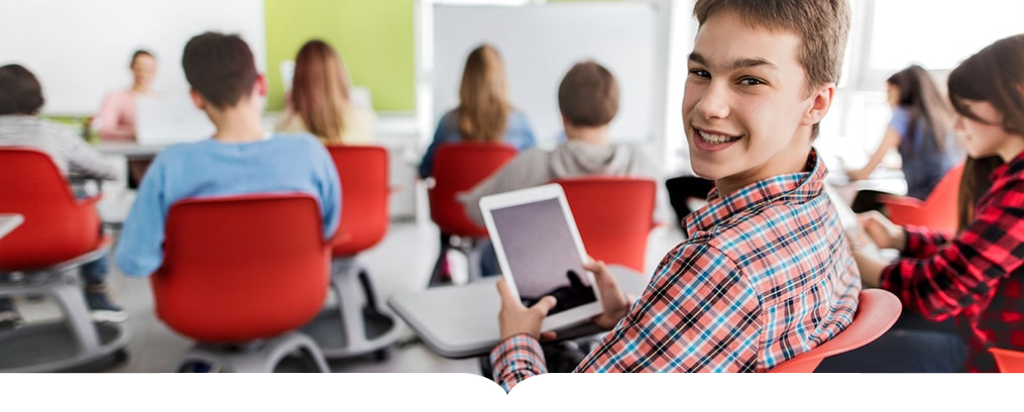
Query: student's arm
x,y
440,137
330,191
699,314
84,159
526,139
140,247
889,142
108,120
967,269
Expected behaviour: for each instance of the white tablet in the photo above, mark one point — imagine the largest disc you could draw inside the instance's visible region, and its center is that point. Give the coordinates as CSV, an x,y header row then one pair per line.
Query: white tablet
x,y
540,252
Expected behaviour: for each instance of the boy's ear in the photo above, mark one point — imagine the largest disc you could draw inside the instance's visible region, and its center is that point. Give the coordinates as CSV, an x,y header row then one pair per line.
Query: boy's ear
x,y
261,84
197,99
820,103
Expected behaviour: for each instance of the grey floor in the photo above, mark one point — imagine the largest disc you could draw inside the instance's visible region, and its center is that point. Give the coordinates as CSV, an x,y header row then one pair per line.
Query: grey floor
x,y
402,261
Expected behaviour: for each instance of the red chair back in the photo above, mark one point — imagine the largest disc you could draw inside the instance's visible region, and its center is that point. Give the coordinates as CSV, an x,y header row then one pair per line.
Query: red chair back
x,y
877,311
458,167
57,227
938,212
1009,361
241,268
363,171
614,216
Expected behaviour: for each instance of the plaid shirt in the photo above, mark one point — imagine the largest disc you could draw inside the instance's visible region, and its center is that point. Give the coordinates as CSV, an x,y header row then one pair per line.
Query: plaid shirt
x,y
764,275
976,277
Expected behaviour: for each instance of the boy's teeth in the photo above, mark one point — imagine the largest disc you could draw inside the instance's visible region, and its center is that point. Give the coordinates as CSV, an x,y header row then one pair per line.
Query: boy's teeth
x,y
715,138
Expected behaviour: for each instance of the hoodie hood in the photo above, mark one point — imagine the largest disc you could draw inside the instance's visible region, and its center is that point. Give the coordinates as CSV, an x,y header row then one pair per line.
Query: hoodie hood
x,y
575,158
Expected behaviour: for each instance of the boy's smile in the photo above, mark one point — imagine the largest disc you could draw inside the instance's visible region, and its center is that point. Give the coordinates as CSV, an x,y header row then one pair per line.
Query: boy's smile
x,y
747,110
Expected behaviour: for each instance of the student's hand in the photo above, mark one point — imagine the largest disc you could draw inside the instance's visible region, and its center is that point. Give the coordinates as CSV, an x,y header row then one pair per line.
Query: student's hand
x,y
883,232
870,267
857,174
515,318
615,303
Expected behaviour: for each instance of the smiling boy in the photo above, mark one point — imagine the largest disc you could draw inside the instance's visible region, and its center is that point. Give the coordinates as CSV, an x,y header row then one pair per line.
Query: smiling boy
x,y
765,272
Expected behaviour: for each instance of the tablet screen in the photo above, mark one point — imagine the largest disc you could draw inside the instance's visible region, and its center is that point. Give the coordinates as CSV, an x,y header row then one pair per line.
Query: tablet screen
x,y
542,254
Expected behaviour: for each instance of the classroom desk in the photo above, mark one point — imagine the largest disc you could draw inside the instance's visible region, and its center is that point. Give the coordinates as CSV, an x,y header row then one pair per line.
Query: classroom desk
x,y
881,180
462,321
8,222
129,150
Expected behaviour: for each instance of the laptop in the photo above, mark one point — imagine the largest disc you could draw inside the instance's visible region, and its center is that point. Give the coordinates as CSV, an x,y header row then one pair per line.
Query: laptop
x,y
169,119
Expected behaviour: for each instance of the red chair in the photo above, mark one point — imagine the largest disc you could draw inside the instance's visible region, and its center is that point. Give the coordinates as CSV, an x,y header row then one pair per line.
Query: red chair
x,y
877,311
59,233
458,167
241,269
614,216
1009,361
937,212
363,171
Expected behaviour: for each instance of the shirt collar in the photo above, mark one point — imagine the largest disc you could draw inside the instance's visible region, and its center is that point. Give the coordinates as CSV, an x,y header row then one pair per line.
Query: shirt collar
x,y
798,187
1014,167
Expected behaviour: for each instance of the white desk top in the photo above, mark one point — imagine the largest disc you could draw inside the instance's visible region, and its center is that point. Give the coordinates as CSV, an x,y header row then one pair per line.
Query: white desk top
x,y
462,321
9,221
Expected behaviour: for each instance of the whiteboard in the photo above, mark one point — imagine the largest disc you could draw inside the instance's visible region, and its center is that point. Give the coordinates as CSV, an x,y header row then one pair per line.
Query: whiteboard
x,y
539,44
80,50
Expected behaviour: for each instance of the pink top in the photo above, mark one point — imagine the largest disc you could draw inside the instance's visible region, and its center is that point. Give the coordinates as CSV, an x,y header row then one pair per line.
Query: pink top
x,y
116,118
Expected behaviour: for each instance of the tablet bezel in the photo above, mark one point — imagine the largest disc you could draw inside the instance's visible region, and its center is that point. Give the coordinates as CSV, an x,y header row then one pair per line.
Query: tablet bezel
x,y
574,316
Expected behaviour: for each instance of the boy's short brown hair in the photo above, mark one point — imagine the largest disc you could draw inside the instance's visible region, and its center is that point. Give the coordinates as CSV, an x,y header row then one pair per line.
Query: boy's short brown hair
x,y
20,92
822,26
588,95
220,67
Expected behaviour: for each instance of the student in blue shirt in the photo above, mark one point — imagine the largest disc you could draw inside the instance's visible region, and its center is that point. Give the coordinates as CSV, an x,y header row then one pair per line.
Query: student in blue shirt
x,y
484,113
921,129
238,159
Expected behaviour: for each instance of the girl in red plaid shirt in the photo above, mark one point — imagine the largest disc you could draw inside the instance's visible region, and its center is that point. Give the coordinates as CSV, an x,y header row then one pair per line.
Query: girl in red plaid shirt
x,y
977,277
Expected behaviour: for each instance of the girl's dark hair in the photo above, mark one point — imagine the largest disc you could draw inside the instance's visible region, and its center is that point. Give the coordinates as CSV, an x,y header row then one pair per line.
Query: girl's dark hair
x,y
919,94
976,181
994,75
20,92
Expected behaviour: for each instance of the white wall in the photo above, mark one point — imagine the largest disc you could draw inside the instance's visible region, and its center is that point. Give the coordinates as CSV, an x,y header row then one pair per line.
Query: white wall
x,y
80,50
539,43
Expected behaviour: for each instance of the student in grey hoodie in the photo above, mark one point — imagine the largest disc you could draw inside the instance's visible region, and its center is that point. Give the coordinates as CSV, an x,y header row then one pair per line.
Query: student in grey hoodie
x,y
588,98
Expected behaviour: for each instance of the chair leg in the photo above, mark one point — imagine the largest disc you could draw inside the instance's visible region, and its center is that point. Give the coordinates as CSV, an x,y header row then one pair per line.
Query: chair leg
x,y
69,297
437,274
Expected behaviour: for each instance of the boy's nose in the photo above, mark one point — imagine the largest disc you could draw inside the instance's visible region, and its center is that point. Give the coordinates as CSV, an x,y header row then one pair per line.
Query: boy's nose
x,y
712,104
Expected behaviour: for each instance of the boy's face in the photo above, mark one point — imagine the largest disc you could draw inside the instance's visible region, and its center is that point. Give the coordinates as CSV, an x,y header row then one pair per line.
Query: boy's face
x,y
746,110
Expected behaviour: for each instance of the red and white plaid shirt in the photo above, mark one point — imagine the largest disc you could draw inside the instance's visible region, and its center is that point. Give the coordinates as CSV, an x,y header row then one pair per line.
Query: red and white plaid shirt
x,y
977,277
764,275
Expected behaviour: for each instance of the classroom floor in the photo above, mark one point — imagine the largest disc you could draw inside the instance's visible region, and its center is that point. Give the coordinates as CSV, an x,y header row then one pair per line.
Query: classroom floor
x,y
155,348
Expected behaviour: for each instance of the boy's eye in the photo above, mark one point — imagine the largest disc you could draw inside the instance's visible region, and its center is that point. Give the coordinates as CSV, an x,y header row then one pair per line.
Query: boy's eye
x,y
750,81
700,73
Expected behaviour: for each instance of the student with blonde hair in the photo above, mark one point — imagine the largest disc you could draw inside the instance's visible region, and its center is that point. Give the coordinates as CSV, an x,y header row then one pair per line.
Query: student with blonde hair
x,y
320,99
484,113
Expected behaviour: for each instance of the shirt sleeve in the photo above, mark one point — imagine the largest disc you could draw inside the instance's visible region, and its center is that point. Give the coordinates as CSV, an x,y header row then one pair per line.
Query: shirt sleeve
x,y
900,121
967,269
441,136
86,160
526,138
140,247
518,357
699,314
922,242
330,191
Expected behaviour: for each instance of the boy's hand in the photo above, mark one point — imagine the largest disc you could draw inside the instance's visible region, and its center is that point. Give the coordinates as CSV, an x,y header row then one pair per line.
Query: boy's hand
x,y
515,318
615,303
883,232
